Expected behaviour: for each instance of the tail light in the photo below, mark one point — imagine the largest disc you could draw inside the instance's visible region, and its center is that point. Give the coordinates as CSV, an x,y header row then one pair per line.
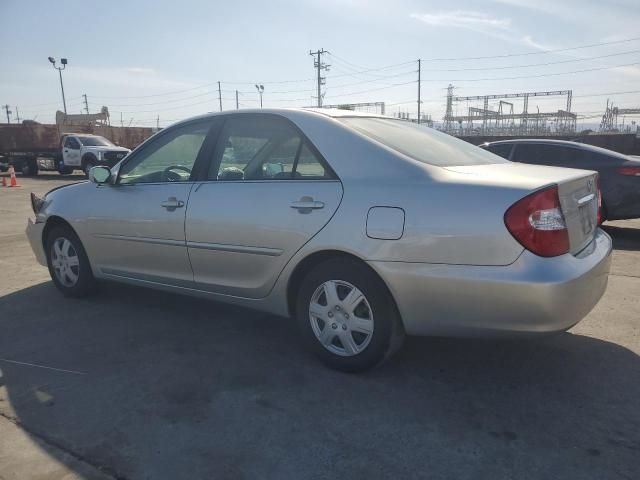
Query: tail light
x,y
599,194
537,222
630,171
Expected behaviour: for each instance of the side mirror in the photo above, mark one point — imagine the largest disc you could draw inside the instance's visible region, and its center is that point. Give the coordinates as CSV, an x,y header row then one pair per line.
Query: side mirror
x,y
99,175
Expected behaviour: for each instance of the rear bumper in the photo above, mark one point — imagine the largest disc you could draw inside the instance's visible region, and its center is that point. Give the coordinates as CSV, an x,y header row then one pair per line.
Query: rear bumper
x,y
34,234
532,295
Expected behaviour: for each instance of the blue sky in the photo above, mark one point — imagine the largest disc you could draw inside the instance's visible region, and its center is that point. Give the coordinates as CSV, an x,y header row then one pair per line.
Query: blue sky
x,y
148,59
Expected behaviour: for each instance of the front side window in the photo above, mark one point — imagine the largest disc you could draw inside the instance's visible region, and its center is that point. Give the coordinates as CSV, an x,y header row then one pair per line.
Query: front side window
x,y
169,158
421,143
263,148
501,149
71,143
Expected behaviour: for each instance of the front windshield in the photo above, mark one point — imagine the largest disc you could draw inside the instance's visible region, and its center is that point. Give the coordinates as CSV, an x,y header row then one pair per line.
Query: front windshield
x,y
421,143
95,142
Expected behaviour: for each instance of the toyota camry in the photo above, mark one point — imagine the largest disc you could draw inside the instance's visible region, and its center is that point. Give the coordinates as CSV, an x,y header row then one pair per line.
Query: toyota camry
x,y
363,228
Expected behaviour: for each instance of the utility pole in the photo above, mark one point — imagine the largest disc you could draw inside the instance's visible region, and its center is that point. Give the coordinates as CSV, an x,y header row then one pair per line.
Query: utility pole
x,y
86,103
121,123
158,122
219,96
6,108
319,65
17,115
237,104
419,102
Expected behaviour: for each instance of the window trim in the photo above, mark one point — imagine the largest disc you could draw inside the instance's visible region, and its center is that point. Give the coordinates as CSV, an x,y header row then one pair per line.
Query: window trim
x,y
153,140
215,162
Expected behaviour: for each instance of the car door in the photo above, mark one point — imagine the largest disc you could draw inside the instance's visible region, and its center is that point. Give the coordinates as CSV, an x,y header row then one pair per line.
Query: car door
x,y
266,193
71,151
137,224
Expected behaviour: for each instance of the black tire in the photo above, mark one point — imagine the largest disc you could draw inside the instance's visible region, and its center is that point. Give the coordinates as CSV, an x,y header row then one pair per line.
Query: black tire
x,y
388,333
63,169
604,213
85,283
88,162
29,168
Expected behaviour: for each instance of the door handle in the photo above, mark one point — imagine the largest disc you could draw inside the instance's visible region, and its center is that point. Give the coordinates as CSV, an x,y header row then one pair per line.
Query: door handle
x,y
172,203
306,204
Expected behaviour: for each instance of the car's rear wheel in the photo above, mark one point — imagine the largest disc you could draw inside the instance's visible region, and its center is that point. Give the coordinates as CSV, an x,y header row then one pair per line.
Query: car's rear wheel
x,y
29,168
347,316
68,263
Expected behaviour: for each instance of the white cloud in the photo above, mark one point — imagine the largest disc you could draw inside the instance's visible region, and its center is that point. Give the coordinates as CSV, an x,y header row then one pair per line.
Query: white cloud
x,y
464,19
529,41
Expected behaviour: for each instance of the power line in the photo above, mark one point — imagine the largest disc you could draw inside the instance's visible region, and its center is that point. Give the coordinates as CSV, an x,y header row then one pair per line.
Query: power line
x,y
531,76
535,64
541,52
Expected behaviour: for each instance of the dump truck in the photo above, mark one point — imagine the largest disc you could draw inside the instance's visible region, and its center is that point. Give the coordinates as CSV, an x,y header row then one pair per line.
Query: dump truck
x,y
75,142
31,149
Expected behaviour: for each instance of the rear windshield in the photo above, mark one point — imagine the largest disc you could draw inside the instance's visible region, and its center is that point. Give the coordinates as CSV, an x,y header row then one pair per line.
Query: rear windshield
x,y
95,142
421,143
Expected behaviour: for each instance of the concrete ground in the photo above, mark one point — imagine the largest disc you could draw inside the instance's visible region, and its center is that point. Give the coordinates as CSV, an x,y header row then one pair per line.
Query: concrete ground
x,y
146,385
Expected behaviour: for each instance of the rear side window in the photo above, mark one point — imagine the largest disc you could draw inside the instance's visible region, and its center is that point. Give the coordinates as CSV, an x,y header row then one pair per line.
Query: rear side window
x,y
421,143
544,154
264,148
502,149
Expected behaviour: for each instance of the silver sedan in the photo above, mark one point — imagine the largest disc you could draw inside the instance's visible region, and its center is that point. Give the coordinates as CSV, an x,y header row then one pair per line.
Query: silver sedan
x,y
363,228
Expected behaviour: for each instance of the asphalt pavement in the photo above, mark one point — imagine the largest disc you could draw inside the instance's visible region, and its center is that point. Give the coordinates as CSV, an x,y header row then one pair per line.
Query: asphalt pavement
x,y
137,384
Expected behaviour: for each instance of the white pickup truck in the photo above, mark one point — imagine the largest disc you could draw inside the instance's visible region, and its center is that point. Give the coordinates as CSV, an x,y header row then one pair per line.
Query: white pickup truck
x,y
83,151
30,150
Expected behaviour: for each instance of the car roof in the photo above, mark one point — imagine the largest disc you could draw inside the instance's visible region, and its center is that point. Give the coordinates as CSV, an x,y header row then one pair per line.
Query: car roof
x,y
566,143
317,112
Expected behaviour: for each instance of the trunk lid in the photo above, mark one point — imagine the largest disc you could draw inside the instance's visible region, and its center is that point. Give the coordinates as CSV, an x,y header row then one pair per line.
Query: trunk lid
x,y
577,190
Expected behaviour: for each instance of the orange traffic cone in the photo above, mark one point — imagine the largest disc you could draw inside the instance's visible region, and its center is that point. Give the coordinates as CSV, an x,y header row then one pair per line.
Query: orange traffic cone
x,y
14,180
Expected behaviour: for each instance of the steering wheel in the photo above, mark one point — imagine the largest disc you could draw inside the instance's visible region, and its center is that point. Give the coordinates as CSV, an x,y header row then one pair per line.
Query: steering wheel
x,y
169,175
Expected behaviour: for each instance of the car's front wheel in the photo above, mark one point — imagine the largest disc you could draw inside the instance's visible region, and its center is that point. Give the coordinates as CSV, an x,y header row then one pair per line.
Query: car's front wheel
x,y
88,163
68,263
347,316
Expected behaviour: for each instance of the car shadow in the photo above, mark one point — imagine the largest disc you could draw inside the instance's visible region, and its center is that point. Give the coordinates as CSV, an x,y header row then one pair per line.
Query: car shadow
x,y
162,386
624,238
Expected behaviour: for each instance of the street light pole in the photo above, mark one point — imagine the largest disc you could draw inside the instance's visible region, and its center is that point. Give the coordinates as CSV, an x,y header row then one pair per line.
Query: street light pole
x,y
63,61
260,89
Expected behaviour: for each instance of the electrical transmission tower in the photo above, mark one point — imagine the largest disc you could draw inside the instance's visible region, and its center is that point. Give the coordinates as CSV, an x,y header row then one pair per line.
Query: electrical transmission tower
x,y
320,66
